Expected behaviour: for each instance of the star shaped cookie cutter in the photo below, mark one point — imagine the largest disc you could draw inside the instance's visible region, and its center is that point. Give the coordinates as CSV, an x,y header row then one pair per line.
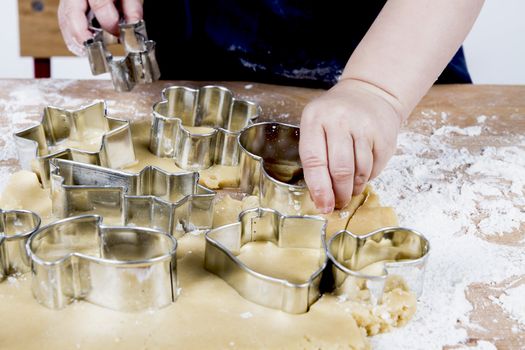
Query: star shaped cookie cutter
x,y
211,106
138,67
172,202
118,267
399,251
224,243
270,167
15,228
49,139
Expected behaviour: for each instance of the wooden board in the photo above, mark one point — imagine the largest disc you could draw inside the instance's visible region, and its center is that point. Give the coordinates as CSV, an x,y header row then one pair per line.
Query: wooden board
x,y
505,105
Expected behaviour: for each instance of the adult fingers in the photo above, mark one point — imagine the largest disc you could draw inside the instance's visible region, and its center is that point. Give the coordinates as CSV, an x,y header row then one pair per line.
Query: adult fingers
x,y
341,162
364,162
312,149
132,10
74,25
107,14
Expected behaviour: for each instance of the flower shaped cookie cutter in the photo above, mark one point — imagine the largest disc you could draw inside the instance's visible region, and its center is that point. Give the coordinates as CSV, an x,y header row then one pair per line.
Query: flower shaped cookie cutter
x,y
369,261
171,202
138,67
270,167
178,120
122,268
15,228
63,133
224,243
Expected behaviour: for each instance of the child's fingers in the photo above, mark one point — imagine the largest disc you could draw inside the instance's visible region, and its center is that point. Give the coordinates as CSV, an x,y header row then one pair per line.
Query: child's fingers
x,y
381,156
74,25
133,11
312,148
107,14
363,163
341,162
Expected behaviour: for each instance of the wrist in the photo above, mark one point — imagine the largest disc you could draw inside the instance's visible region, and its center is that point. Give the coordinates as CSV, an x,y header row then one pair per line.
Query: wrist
x,y
395,104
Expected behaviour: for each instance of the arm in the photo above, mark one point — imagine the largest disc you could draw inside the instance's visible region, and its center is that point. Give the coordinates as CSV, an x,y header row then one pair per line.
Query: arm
x,y
349,133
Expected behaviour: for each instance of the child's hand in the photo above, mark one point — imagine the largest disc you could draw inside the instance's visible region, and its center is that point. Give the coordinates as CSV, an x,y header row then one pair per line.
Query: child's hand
x,y
347,136
74,24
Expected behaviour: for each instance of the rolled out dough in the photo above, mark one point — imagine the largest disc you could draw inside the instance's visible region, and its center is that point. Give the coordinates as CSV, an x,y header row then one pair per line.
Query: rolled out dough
x,y
208,313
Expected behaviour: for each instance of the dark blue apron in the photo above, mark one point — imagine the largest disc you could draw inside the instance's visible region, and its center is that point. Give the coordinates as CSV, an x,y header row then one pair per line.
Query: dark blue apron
x,y
290,42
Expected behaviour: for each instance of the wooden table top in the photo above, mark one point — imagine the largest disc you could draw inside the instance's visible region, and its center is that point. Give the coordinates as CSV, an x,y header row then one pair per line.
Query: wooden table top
x,y
457,106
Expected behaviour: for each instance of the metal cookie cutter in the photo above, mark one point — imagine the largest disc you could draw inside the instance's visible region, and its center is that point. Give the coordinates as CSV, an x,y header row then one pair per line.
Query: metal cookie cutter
x,y
15,228
270,167
399,252
223,244
214,107
60,128
122,268
138,67
172,202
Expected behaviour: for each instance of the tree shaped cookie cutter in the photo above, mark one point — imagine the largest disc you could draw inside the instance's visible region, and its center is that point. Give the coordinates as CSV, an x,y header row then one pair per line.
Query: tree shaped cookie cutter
x,y
271,168
400,252
138,67
224,243
61,132
211,106
15,228
172,202
118,267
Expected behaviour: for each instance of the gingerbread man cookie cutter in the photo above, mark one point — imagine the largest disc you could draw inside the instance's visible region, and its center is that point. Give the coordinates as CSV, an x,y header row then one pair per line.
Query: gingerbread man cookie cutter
x,y
38,144
224,243
118,267
399,251
172,202
211,106
16,226
271,168
139,66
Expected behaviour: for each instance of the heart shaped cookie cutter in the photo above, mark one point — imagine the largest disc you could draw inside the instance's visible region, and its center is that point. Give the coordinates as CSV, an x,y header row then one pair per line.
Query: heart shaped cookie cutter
x,y
172,202
60,130
224,243
121,268
176,119
15,228
270,167
369,261
138,67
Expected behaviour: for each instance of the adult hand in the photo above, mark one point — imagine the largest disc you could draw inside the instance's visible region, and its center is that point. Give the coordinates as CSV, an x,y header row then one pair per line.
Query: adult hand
x,y
74,24
348,134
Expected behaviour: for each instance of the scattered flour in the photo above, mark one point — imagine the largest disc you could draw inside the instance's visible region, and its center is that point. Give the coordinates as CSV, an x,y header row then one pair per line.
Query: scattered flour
x,y
457,198
469,131
513,302
246,315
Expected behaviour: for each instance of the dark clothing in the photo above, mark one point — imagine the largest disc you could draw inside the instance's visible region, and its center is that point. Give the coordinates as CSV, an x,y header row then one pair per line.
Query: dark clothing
x,y
290,42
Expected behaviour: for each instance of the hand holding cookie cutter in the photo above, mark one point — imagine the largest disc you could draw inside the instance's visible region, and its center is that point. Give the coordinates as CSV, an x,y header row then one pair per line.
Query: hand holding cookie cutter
x,y
42,142
15,228
122,268
209,106
223,244
270,167
171,202
401,251
138,67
